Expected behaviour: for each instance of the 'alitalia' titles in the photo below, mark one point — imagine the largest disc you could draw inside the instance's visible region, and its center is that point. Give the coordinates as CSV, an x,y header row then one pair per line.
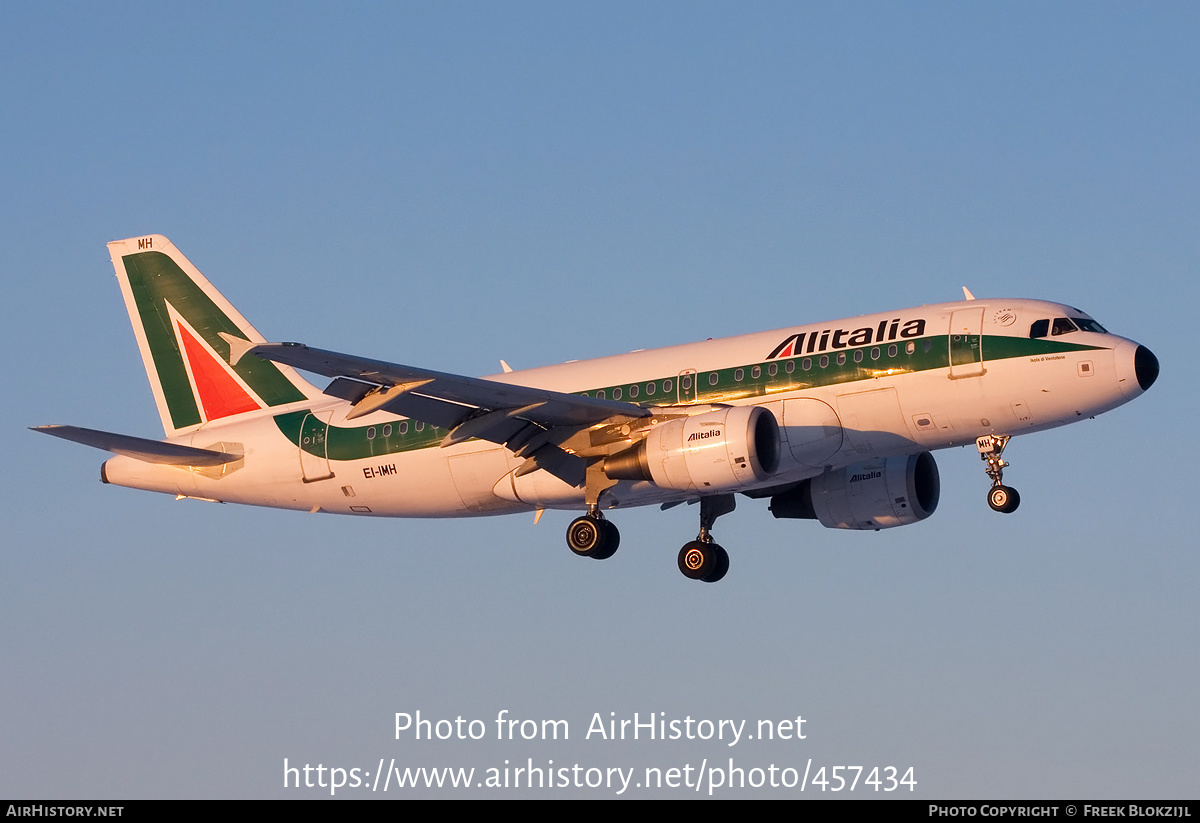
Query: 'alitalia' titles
x,y
704,435
829,339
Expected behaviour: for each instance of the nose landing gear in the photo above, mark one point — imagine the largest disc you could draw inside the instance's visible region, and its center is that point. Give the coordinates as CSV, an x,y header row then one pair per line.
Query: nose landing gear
x,y
1001,498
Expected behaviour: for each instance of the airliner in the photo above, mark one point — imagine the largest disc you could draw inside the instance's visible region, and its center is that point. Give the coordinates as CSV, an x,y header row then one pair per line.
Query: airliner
x,y
833,422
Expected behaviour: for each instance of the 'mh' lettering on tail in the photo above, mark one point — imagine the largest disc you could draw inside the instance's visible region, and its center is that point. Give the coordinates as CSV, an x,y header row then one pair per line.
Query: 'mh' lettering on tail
x,y
178,318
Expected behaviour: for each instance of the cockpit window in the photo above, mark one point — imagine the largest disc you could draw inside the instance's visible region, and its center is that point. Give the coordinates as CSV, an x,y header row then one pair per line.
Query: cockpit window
x,y
1063,325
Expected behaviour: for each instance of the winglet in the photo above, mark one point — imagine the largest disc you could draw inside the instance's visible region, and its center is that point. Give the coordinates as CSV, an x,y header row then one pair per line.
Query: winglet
x,y
967,293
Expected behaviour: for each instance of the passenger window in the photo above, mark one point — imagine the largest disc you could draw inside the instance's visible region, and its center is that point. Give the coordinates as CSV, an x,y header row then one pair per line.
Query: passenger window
x,y
773,369
892,350
824,361
910,347
807,364
404,427
371,433
842,359
650,388
738,374
858,355
387,430
712,378
600,394
667,384
756,372
789,366
617,393
874,352
633,391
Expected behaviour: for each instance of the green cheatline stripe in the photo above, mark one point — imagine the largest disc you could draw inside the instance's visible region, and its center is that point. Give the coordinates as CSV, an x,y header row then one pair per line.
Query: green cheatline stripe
x,y
156,280
352,443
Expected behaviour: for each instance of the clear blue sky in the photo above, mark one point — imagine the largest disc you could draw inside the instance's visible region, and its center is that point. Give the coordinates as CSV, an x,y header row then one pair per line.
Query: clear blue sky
x,y
448,184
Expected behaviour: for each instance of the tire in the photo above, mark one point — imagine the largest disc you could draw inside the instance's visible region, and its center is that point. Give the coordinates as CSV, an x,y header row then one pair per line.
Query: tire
x,y
610,540
697,560
585,535
721,567
1004,499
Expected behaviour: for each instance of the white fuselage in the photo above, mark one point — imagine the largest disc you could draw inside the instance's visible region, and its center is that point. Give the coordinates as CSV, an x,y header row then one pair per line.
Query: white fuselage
x,y
908,381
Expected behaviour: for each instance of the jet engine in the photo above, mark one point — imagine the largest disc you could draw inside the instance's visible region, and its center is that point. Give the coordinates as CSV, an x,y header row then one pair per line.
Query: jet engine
x,y
874,494
721,450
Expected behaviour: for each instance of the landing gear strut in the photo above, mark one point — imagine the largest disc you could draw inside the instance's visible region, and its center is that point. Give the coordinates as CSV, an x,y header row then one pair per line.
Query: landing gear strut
x,y
593,536
702,559
1001,498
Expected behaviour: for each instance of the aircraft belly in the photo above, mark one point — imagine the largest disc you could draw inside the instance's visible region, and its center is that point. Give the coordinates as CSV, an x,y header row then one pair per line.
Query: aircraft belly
x,y
810,428
475,475
873,423
414,484
540,489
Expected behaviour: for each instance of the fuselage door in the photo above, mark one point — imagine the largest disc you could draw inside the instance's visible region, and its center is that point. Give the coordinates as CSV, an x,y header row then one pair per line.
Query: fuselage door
x,y
314,448
685,391
966,343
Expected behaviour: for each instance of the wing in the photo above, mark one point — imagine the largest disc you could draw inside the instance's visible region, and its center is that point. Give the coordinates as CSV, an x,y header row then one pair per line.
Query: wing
x,y
534,423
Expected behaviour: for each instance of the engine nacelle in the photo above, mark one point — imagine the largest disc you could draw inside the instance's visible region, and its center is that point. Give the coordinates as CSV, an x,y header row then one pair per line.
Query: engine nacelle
x,y
874,494
720,450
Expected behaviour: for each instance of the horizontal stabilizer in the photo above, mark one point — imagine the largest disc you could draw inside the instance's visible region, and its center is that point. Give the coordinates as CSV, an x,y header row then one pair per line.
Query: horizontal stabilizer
x,y
149,451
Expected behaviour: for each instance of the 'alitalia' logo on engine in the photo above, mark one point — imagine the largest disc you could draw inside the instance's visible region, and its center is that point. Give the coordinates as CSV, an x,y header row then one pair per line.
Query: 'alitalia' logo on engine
x,y
704,435
865,476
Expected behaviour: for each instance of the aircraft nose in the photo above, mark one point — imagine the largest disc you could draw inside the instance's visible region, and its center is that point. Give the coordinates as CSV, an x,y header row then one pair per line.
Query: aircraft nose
x,y
1145,366
1137,368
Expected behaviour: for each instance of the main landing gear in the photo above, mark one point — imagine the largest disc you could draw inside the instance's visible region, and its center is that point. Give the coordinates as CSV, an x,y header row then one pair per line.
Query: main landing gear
x,y
593,536
1001,498
702,559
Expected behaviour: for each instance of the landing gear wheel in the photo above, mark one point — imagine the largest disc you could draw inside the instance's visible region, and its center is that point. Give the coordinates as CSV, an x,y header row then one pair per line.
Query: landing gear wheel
x,y
1001,498
584,535
610,540
699,560
720,567
1004,499
593,537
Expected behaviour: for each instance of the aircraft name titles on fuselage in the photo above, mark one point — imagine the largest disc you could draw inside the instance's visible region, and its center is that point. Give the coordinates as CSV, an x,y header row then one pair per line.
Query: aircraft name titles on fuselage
x,y
829,339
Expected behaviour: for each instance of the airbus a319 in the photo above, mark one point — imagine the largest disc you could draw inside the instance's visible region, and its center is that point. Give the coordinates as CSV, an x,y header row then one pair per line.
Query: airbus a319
x,y
833,422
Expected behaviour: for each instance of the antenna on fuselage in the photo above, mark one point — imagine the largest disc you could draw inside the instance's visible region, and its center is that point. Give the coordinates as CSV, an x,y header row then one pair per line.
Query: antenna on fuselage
x,y
967,293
